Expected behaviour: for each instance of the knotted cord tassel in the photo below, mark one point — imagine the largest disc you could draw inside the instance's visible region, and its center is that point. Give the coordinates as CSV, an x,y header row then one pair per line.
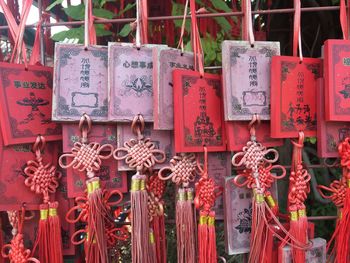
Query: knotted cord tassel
x,y
212,255
43,235
96,241
139,220
54,235
203,238
188,221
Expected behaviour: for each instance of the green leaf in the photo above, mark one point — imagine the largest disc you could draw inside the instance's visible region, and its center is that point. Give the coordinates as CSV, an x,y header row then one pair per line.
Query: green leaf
x,y
178,10
223,23
75,11
221,5
125,30
313,140
101,31
57,2
103,13
73,33
188,46
127,8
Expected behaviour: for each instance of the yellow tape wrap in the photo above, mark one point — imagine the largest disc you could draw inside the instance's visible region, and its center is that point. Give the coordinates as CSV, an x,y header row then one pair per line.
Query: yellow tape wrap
x,y
270,201
151,238
135,185
181,196
340,214
90,188
294,215
203,220
211,221
189,195
259,198
52,212
348,183
142,184
43,214
95,185
302,213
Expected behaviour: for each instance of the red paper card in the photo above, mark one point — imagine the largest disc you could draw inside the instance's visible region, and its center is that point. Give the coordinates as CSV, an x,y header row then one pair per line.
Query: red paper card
x,y
238,135
130,81
101,133
13,161
80,82
293,96
198,118
162,140
337,79
164,62
246,78
329,133
25,97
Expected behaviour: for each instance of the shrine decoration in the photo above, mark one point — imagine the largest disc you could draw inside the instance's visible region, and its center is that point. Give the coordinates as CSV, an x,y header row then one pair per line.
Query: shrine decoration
x,y
206,193
130,73
95,206
16,251
299,187
336,192
246,73
182,171
336,78
43,179
164,62
257,176
141,155
293,89
156,189
329,133
342,242
199,93
35,84
80,77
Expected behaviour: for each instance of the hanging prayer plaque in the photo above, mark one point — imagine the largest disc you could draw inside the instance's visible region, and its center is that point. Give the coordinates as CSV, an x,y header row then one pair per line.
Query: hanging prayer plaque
x,y
109,176
100,133
130,81
198,118
162,140
329,133
26,97
13,161
246,78
238,216
293,96
317,253
80,83
164,62
337,79
237,134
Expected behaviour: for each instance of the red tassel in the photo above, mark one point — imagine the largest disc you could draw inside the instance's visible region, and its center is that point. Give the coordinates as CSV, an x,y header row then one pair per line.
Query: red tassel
x,y
54,237
203,237
139,220
43,235
96,244
160,238
212,255
185,226
342,244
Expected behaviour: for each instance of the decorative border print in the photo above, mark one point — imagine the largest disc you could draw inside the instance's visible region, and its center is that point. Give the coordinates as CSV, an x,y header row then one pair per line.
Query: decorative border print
x,y
101,133
80,82
246,78
162,140
329,133
237,133
130,81
26,104
317,253
164,62
293,96
199,113
337,79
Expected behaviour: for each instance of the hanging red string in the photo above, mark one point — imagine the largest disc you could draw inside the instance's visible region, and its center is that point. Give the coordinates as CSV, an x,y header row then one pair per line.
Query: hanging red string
x,y
298,189
87,157
15,251
43,180
206,193
182,171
